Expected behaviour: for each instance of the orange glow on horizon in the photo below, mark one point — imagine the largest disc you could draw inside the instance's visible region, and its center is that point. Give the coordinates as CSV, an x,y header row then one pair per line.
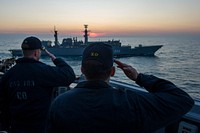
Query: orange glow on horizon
x,y
93,34
103,30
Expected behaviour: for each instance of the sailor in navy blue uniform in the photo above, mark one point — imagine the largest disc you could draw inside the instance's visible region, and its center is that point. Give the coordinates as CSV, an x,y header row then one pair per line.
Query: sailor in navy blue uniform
x,y
94,106
26,89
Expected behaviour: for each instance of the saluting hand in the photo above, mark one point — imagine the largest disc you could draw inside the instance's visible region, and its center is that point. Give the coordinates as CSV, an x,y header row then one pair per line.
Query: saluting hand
x,y
129,71
52,56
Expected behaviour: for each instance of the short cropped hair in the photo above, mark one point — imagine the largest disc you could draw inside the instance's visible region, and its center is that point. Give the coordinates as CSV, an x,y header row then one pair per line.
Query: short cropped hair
x,y
28,52
95,71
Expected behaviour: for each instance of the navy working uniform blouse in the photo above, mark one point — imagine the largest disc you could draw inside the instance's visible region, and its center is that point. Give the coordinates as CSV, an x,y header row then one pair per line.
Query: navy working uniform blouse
x,y
26,93
96,107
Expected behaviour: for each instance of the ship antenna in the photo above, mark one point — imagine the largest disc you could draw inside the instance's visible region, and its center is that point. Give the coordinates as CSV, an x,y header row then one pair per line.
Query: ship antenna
x,y
86,33
56,37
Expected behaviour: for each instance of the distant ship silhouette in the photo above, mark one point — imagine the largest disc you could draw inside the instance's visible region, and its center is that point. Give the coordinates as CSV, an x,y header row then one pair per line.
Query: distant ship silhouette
x,y
72,47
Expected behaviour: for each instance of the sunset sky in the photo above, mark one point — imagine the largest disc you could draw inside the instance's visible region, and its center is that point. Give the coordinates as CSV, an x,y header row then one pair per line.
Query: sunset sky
x,y
104,17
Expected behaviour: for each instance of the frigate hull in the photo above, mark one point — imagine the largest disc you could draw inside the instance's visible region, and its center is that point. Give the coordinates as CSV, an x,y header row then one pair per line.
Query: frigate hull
x,y
122,51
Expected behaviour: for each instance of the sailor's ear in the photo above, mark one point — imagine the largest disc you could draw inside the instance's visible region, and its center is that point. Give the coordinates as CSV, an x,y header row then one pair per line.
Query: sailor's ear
x,y
112,73
35,53
82,70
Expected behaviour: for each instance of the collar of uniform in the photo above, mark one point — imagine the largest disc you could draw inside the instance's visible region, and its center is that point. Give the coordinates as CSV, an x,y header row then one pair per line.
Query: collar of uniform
x,y
94,84
22,60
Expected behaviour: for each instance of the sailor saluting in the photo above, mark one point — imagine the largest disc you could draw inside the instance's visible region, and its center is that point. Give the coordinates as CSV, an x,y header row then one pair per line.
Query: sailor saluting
x,y
26,89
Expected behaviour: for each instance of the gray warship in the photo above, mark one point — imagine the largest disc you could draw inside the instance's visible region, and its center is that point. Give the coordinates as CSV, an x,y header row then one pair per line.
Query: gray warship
x,y
73,47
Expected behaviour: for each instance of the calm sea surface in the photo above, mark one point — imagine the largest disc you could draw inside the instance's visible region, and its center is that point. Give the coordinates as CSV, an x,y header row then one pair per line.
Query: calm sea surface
x,y
178,60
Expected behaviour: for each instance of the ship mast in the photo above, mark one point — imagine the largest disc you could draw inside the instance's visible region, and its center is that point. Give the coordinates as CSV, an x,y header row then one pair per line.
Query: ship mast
x,y
56,37
86,33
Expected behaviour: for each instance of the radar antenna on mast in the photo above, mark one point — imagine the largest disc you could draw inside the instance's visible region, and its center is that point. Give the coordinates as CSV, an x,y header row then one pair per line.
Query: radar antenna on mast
x,y
56,37
86,33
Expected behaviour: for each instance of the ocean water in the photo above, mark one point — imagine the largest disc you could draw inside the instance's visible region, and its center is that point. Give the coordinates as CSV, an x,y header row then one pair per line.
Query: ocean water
x,y
178,60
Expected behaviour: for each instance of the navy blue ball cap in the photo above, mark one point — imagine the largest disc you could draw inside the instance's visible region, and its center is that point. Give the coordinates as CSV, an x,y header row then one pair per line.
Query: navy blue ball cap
x,y
31,43
98,51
